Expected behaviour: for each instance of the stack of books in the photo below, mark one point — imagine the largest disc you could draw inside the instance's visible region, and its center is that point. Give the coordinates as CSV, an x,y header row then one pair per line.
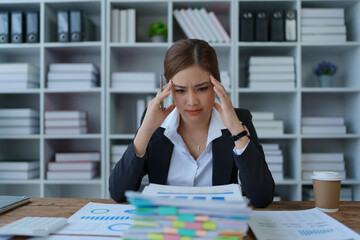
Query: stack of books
x,y
183,214
225,80
322,162
72,75
19,121
200,24
323,125
18,76
123,25
266,125
274,159
323,25
271,72
74,165
133,81
345,194
116,153
19,169
66,122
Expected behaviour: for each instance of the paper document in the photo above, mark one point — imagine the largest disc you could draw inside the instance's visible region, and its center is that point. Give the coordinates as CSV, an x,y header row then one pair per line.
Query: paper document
x,y
229,192
303,224
100,219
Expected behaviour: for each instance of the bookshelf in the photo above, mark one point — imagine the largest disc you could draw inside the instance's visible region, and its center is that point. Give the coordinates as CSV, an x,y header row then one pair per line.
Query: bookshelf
x,y
112,117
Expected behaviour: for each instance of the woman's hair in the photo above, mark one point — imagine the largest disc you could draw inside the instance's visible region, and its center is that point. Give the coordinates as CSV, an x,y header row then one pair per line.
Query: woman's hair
x,y
188,52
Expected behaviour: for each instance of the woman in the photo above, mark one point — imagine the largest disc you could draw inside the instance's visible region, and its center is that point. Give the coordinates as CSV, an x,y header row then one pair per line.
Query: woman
x,y
195,141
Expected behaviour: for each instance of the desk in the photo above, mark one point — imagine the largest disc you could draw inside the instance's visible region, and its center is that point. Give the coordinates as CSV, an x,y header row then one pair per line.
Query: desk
x,y
348,214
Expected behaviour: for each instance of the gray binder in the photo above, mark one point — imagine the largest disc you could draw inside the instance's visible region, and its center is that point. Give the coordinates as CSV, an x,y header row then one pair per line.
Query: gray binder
x,y
17,27
32,27
63,26
80,26
290,25
4,27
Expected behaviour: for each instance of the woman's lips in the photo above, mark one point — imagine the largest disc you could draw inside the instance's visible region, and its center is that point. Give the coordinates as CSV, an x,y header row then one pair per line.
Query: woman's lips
x,y
193,112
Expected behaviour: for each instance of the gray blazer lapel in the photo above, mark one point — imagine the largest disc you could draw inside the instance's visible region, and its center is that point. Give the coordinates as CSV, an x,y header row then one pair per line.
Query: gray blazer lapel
x,y
223,159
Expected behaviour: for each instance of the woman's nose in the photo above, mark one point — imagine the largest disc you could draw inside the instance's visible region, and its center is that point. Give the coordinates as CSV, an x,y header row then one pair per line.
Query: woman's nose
x,y
193,99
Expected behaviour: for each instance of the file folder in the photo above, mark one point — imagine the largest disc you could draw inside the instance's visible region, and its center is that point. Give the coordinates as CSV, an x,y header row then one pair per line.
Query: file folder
x,y
4,27
247,26
290,25
32,27
80,26
63,26
261,26
277,26
17,27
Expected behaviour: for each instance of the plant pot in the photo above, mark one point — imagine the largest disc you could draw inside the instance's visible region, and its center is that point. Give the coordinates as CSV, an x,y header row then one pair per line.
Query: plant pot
x,y
325,80
158,38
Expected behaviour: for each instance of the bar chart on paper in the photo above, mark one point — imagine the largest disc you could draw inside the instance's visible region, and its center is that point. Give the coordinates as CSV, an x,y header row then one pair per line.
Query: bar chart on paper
x,y
100,219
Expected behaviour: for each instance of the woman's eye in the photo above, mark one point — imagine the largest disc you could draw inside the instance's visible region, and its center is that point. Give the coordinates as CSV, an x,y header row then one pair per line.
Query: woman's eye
x,y
202,89
179,90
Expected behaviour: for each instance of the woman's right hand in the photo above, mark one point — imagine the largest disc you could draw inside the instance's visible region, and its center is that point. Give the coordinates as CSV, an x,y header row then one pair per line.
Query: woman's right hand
x,y
153,119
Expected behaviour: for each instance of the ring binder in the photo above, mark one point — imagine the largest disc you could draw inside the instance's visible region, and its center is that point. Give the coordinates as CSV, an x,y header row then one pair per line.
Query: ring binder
x,y
63,26
247,26
32,27
277,26
4,27
290,25
261,26
17,27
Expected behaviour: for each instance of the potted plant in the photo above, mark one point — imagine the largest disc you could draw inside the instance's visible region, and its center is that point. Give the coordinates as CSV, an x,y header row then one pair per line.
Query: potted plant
x,y
157,31
325,72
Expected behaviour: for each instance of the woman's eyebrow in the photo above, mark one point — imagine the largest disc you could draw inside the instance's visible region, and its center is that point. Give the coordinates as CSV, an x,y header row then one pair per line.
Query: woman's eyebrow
x,y
197,85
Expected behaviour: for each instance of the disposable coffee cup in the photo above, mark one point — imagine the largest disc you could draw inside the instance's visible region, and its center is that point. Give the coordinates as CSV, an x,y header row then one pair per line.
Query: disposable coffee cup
x,y
327,190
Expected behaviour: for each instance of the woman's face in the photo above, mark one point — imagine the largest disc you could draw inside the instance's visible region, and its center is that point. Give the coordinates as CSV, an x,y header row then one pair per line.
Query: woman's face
x,y
193,94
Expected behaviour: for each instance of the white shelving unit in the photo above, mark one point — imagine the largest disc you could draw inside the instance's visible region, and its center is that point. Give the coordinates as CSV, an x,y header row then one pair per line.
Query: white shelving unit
x,y
112,112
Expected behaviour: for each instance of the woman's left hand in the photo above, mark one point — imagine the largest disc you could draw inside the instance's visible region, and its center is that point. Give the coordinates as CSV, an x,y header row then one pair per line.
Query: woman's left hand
x,y
226,108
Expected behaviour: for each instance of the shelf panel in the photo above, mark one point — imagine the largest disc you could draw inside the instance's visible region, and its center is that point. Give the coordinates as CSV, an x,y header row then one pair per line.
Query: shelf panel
x,y
328,136
80,136
122,136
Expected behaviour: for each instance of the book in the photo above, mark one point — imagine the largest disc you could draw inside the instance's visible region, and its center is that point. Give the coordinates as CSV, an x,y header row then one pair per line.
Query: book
x,y
70,85
133,76
263,115
19,68
19,113
77,156
272,60
278,176
323,157
123,26
323,29
19,77
133,86
72,165
269,124
219,27
118,149
72,76
183,25
322,21
18,165
8,202
18,85
272,85
66,130
115,25
73,67
274,158
323,166
131,15
18,175
19,130
270,146
21,122
203,25
281,68
328,129
272,152
58,115
269,131
322,121
322,12
272,77
66,123
51,175
204,14
275,167
324,38
195,25
190,24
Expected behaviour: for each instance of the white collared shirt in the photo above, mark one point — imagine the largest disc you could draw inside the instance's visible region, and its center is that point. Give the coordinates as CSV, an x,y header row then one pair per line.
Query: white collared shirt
x,y
184,170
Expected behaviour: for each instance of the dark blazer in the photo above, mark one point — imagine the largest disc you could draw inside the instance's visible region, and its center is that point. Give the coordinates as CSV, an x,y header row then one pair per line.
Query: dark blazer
x,y
256,180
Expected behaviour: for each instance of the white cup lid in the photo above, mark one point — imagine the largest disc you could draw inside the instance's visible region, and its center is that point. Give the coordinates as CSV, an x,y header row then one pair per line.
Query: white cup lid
x,y
326,175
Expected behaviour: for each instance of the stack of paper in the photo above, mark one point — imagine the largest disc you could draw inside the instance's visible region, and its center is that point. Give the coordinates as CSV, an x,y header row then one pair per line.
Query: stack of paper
x,y
322,162
323,25
19,121
274,159
116,153
123,25
323,125
266,125
271,72
225,80
18,76
72,75
74,165
66,122
200,24
19,169
168,212
133,81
